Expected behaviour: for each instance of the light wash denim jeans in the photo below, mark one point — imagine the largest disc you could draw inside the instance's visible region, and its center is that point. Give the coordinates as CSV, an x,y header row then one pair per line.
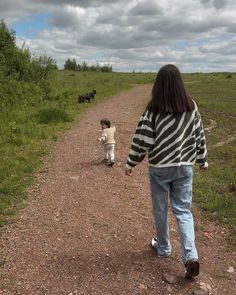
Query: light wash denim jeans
x,y
175,183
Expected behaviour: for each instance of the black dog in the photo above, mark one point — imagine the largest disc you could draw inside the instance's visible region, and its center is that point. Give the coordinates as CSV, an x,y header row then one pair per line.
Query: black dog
x,y
87,97
83,98
92,94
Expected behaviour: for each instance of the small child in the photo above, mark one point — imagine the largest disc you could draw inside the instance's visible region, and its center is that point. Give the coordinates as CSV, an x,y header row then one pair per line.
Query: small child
x,y
108,141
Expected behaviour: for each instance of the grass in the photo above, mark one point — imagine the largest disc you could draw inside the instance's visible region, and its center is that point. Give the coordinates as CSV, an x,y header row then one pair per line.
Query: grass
x,y
216,190
27,129
52,115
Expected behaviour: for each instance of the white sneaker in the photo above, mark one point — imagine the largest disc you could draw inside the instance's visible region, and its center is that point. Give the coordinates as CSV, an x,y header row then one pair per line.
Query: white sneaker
x,y
154,246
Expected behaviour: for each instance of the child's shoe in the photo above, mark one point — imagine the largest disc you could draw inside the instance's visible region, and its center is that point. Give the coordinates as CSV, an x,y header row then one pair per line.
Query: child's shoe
x,y
111,163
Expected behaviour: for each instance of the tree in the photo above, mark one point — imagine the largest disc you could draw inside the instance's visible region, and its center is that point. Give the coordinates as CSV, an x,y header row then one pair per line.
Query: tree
x,y
9,53
70,64
84,67
17,63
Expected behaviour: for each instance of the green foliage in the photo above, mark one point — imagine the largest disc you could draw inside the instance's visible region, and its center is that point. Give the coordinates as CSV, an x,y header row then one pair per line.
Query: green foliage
x,y
71,64
41,67
13,61
52,115
17,63
7,49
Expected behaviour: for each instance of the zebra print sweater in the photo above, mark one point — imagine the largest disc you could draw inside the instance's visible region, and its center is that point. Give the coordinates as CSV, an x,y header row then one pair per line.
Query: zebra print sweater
x,y
169,140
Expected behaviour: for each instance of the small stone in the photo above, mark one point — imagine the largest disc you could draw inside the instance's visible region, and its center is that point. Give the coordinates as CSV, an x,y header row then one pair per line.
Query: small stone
x,y
142,287
230,269
171,279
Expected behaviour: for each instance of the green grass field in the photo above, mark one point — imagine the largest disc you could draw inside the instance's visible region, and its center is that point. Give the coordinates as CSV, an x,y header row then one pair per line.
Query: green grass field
x,y
216,190
28,128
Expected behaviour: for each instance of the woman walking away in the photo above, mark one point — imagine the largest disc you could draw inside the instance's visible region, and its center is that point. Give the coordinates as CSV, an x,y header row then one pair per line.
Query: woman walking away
x,y
170,131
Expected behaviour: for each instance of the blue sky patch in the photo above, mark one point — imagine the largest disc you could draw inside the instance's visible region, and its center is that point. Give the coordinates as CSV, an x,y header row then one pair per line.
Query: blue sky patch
x,y
31,26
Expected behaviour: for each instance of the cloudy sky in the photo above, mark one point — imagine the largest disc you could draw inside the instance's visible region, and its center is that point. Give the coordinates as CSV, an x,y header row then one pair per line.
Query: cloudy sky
x,y
140,35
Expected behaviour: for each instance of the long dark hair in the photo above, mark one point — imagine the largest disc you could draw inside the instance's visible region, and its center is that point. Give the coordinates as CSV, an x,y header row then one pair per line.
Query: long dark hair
x,y
168,93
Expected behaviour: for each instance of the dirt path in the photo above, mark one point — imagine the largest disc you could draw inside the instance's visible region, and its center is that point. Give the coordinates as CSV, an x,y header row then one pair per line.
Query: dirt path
x,y
86,227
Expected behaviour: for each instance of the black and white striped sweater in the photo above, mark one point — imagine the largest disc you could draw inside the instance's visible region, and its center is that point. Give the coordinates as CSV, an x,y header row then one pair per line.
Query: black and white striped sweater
x,y
169,140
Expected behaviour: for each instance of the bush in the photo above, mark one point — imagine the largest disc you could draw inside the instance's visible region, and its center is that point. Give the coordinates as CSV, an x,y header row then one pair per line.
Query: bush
x,y
229,76
52,115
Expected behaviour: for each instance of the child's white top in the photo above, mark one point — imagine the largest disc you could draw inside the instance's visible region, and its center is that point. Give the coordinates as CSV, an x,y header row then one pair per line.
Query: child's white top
x,y
108,135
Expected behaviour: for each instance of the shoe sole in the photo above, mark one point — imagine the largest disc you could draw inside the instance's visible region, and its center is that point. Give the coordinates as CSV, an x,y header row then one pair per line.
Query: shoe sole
x,y
193,269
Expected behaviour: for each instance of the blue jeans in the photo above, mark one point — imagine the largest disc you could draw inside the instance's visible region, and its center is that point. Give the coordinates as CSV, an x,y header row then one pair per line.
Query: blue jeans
x,y
176,183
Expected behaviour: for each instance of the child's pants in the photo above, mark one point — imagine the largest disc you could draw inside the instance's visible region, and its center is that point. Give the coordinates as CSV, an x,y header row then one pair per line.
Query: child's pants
x,y
109,150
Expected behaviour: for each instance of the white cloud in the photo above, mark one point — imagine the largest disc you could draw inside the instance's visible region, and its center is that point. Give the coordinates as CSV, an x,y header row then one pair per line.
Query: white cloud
x,y
195,34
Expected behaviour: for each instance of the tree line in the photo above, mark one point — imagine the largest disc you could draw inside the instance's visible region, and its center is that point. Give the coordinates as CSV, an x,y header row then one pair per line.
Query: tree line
x,y
71,64
20,64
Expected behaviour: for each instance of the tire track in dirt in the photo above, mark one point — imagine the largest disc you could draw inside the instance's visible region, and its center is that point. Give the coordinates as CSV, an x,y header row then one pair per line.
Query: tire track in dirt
x,y
210,128
86,227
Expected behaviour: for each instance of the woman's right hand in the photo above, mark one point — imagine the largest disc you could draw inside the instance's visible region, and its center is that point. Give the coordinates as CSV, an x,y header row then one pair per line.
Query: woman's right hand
x,y
204,167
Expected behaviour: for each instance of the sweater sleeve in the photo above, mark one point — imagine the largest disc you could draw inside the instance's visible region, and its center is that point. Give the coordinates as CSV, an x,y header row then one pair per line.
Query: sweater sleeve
x,y
143,140
103,138
200,141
